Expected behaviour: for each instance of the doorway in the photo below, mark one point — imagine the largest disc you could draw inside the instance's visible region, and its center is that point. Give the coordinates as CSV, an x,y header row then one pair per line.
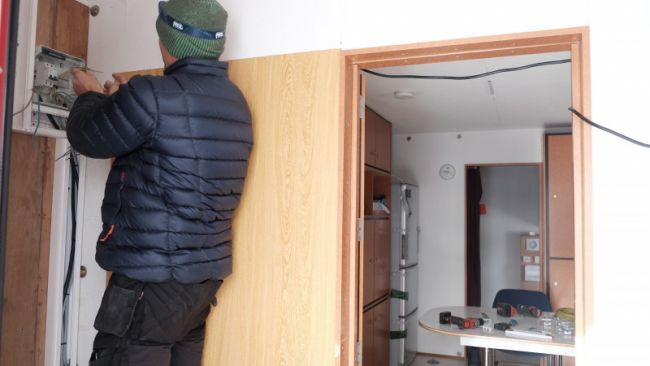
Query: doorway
x,y
506,210
573,40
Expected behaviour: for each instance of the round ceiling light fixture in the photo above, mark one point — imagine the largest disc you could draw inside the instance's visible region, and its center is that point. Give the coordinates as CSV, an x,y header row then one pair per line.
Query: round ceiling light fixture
x,y
403,94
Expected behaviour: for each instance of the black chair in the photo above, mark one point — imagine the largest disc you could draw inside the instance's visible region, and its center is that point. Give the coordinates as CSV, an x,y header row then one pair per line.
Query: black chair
x,y
523,297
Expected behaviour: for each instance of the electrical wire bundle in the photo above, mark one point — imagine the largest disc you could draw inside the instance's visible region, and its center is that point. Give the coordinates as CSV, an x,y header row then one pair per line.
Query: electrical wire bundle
x,y
74,188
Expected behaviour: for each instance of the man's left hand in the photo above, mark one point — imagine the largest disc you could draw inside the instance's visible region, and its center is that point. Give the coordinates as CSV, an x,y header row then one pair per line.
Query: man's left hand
x,y
83,82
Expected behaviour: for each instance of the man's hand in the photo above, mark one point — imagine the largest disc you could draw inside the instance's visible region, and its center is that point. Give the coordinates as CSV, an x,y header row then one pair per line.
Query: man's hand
x,y
111,86
84,82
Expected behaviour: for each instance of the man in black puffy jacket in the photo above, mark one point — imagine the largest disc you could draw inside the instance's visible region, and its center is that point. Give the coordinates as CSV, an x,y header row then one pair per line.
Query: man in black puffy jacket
x,y
181,144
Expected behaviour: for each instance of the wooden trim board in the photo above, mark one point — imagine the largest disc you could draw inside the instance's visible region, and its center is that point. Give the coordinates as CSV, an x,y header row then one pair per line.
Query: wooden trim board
x,y
27,252
575,40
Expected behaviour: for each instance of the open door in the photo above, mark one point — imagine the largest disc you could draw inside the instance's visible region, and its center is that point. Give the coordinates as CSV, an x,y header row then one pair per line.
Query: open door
x,y
374,235
362,348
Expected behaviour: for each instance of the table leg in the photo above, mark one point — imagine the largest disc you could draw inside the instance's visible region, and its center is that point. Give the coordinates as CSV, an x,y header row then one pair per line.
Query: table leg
x,y
559,360
489,357
550,360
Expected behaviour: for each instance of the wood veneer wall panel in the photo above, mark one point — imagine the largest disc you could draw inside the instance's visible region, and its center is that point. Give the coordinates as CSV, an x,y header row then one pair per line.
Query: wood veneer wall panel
x,y
63,25
45,22
27,251
279,305
129,74
70,33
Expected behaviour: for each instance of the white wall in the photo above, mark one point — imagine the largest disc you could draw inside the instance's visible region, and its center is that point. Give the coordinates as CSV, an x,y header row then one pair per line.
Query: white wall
x,y
255,28
620,33
123,37
92,286
278,27
511,195
442,208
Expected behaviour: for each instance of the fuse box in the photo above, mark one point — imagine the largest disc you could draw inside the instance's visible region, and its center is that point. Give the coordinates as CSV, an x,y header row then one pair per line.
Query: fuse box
x,y
53,78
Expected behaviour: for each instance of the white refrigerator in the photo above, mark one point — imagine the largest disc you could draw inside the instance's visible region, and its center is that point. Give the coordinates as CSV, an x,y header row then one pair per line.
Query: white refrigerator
x,y
405,234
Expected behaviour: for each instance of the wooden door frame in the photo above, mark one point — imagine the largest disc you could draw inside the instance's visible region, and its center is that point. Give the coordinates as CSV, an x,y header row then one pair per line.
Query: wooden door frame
x,y
575,40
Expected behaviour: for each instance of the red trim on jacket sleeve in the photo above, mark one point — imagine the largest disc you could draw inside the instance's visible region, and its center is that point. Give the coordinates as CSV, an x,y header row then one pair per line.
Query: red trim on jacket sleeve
x,y
109,233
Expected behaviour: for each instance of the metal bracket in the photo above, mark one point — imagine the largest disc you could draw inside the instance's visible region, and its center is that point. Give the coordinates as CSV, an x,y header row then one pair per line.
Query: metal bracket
x,y
358,355
398,334
362,107
359,229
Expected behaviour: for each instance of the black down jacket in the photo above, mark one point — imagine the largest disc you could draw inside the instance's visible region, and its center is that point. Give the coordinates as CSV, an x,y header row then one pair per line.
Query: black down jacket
x,y
181,143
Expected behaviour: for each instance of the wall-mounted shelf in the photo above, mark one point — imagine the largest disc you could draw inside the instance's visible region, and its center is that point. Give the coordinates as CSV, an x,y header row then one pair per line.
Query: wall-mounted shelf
x,y
376,171
376,186
377,217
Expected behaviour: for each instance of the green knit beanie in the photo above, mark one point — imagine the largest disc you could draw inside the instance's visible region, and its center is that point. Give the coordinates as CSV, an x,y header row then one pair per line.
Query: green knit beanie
x,y
202,15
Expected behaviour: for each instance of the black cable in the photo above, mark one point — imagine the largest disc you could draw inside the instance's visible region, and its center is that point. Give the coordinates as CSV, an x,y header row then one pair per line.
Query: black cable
x,y
52,121
74,185
608,130
49,116
511,69
468,77
73,211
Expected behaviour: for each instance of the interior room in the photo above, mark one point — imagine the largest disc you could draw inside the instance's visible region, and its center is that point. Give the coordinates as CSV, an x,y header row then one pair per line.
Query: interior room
x,y
441,130
301,291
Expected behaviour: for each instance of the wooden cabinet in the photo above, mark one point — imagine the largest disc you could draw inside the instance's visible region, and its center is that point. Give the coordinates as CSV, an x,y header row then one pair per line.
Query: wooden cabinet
x,y
377,186
376,260
382,258
370,134
559,168
376,335
562,283
560,224
367,354
378,134
369,291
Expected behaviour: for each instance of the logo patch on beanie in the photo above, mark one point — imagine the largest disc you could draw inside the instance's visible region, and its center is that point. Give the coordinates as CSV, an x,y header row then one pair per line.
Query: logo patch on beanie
x,y
188,28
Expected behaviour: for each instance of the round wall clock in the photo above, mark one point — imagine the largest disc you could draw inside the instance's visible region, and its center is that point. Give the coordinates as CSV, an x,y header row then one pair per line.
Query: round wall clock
x,y
532,244
447,172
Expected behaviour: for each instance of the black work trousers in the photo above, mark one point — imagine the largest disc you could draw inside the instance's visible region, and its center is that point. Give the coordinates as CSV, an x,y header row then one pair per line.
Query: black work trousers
x,y
161,324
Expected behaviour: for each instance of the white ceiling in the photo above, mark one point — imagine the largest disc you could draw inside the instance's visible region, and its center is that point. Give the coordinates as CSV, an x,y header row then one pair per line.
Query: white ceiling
x,y
531,98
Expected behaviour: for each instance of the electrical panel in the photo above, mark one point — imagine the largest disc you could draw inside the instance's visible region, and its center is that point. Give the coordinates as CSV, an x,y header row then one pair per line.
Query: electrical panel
x,y
53,78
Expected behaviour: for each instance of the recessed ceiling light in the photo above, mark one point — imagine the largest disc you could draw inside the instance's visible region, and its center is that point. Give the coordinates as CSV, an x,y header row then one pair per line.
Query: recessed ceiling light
x,y
403,94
